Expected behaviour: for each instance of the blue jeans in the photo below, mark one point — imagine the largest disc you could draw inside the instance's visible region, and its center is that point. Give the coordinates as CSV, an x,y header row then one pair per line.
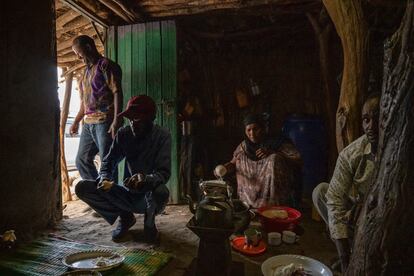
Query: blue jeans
x,y
118,201
94,139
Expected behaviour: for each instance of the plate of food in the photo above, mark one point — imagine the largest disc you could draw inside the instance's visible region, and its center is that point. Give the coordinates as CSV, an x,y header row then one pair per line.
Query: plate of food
x,y
278,218
294,265
82,273
95,260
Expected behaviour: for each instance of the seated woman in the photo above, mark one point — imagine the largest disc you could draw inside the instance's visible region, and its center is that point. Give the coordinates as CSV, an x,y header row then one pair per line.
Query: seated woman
x,y
267,169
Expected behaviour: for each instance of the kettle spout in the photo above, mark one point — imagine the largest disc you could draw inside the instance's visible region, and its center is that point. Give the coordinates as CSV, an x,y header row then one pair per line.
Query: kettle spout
x,y
190,204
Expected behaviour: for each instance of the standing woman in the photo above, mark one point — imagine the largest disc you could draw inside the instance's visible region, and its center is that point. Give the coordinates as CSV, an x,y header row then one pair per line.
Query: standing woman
x,y
267,169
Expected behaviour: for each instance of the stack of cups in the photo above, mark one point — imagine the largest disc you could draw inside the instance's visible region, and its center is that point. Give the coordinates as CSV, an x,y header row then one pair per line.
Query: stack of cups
x,y
275,238
289,237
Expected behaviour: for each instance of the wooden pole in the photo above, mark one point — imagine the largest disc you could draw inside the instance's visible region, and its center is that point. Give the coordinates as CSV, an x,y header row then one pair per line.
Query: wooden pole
x,y
384,239
323,31
65,18
97,33
63,44
124,6
75,26
117,10
351,27
74,68
87,12
63,118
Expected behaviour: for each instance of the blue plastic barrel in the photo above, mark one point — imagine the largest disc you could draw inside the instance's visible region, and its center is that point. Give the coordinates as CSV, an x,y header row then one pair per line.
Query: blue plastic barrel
x,y
308,133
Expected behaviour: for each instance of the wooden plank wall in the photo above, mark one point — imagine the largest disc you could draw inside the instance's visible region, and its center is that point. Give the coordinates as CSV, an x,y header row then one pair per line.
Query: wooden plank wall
x,y
169,90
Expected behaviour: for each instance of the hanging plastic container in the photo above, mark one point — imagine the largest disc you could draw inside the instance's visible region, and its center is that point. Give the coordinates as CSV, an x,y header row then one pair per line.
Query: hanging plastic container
x,y
308,133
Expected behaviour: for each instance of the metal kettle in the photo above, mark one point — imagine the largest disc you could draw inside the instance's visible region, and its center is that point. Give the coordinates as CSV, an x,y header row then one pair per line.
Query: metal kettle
x,y
215,210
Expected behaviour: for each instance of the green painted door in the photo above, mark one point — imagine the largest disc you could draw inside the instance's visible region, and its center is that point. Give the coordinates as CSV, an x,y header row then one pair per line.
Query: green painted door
x,y
147,55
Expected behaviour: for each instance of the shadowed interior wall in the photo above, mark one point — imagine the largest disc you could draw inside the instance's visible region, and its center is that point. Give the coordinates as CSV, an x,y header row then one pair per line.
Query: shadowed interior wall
x,y
285,67
30,179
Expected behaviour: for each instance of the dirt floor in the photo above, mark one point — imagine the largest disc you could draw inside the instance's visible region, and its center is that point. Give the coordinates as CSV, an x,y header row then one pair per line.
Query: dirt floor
x,y
81,224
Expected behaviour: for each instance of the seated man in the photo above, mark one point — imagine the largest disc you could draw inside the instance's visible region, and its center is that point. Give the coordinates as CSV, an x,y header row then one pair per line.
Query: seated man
x,y
146,148
267,169
339,202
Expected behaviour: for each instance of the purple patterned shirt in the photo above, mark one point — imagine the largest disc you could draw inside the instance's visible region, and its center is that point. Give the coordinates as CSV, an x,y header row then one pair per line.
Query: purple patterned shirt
x,y
97,87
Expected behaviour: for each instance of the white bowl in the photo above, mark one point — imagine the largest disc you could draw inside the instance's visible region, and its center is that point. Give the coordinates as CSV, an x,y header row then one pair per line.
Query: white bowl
x,y
314,267
87,260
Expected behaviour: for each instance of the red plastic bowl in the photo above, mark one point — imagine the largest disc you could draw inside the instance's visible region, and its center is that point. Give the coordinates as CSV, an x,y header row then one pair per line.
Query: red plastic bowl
x,y
276,224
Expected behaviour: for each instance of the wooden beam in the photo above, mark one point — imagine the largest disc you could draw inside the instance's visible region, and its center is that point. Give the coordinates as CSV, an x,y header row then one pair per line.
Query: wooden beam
x,y
69,50
66,65
265,31
324,31
86,12
180,10
67,196
71,57
388,3
67,58
352,28
98,33
102,11
63,35
234,3
239,12
127,9
75,68
65,51
73,24
59,5
117,10
194,3
68,42
65,18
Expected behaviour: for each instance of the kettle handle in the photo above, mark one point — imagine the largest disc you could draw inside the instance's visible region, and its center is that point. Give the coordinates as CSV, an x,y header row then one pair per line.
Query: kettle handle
x,y
190,203
252,214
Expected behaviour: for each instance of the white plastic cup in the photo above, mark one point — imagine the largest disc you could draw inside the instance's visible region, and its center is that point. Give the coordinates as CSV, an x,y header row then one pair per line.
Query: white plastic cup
x,y
289,237
274,238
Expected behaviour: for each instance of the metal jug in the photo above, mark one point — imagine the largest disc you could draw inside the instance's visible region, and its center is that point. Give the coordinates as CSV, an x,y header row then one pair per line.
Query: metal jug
x,y
215,210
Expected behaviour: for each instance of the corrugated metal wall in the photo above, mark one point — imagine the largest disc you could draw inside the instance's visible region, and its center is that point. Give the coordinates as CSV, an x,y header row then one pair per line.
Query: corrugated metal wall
x,y
147,55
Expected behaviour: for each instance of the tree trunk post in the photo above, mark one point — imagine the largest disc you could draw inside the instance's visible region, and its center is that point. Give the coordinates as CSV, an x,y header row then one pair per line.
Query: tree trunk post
x,y
323,33
351,27
63,118
384,240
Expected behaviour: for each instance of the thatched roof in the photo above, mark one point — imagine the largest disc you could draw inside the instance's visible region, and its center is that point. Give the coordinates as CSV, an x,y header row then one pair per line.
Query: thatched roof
x,y
75,17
